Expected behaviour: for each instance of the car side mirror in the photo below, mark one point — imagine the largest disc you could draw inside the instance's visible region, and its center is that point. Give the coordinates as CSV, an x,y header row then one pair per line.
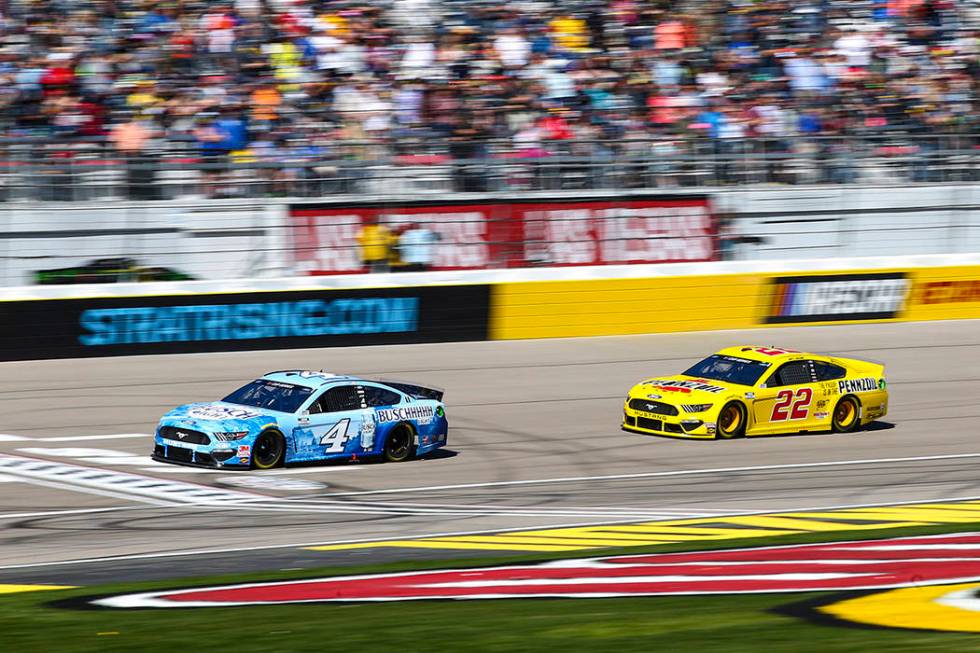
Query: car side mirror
x,y
762,386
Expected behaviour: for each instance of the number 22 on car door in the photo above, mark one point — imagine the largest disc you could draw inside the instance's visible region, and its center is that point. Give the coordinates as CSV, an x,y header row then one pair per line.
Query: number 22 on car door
x,y
787,401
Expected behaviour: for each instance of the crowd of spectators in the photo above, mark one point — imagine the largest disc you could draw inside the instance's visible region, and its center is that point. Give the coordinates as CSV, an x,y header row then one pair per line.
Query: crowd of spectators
x,y
286,80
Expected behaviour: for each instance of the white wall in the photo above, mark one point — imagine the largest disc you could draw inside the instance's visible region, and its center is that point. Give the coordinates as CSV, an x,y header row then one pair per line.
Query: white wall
x,y
225,239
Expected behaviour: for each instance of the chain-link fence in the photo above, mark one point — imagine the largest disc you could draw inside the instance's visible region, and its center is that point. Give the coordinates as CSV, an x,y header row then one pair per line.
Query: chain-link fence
x,y
50,171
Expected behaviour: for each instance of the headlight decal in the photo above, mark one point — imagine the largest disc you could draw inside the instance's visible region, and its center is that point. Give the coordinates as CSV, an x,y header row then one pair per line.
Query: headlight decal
x,y
696,408
229,436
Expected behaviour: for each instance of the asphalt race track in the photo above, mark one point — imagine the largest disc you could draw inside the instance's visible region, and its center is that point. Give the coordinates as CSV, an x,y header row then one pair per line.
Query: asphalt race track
x,y
534,443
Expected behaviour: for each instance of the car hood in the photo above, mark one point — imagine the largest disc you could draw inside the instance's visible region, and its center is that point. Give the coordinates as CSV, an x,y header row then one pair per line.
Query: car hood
x,y
220,416
683,389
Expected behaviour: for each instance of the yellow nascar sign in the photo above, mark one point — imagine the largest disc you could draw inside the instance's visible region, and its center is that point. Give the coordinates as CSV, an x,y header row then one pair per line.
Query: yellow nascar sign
x,y
665,304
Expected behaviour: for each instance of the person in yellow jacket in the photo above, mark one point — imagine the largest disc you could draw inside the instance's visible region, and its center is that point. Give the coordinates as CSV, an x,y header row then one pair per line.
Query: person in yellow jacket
x,y
375,241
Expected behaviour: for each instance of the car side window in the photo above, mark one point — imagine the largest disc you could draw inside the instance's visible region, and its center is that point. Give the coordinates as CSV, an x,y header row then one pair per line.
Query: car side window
x,y
828,371
792,373
376,397
336,399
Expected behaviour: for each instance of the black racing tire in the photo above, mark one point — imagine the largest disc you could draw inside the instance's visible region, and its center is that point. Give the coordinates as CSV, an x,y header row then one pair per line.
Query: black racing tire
x,y
731,421
398,445
846,414
269,450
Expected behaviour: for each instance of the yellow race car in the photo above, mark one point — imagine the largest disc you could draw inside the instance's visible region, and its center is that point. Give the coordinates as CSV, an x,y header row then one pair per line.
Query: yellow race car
x,y
746,391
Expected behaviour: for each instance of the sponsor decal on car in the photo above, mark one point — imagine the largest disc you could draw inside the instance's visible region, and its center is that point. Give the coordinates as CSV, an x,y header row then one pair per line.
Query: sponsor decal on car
x,y
684,386
874,564
244,451
307,374
833,298
221,412
421,414
866,384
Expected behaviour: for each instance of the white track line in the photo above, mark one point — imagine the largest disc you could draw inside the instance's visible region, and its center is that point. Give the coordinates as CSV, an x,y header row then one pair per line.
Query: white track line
x,y
134,487
683,472
301,545
54,513
85,438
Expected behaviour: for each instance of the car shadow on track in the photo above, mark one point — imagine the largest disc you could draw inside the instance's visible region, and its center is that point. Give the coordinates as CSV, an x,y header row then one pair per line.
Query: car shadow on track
x,y
872,427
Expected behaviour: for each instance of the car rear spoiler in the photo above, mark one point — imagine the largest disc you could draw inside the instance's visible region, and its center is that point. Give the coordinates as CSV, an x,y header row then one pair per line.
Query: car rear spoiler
x,y
415,390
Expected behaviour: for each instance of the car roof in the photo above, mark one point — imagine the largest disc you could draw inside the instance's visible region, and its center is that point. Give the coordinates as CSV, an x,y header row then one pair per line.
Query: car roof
x,y
768,353
309,378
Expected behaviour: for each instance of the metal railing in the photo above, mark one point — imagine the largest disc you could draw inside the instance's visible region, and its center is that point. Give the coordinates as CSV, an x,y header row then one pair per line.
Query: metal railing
x,y
40,170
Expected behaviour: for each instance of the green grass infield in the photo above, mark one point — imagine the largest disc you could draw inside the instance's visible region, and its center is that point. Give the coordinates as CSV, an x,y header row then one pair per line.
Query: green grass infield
x,y
41,622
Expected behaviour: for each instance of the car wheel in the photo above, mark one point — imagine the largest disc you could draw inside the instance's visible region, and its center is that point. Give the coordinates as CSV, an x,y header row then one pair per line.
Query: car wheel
x,y
731,421
268,450
398,445
846,415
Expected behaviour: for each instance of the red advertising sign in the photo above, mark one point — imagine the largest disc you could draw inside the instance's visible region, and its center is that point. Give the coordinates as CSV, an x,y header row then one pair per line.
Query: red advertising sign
x,y
498,235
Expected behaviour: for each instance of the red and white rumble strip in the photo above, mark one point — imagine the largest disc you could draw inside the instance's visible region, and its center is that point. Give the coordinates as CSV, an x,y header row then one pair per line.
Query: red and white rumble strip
x,y
897,562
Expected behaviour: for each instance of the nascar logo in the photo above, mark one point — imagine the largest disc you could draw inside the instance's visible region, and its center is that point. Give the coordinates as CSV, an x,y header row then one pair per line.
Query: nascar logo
x,y
835,298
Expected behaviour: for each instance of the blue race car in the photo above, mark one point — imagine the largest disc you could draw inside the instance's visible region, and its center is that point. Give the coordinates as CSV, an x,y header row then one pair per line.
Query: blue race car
x,y
297,416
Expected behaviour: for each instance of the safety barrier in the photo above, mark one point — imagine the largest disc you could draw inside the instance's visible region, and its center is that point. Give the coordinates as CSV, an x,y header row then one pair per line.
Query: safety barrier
x,y
121,319
663,304
185,323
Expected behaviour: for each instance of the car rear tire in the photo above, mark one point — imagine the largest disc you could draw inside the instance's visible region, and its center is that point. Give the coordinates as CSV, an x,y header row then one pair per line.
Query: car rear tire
x,y
846,414
269,450
398,444
731,421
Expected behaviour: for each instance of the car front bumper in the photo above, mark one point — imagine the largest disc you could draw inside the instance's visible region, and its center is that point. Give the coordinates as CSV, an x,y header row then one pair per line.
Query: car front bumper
x,y
199,456
675,426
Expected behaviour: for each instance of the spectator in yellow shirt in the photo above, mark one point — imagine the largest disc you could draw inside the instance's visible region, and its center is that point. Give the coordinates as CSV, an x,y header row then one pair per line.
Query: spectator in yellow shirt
x,y
375,241
570,32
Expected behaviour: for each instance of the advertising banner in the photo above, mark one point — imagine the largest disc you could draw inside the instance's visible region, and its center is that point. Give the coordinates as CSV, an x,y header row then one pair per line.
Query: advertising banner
x,y
479,235
838,298
114,326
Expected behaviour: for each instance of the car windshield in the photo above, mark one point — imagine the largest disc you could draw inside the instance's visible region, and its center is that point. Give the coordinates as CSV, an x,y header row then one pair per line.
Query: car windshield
x,y
739,371
272,395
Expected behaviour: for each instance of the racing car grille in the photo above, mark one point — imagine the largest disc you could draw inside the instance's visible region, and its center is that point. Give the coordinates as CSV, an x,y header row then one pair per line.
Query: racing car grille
x,y
650,424
179,455
657,407
184,435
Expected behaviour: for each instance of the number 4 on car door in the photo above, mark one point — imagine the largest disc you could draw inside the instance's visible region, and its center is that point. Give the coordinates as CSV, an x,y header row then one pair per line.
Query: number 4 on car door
x,y
336,438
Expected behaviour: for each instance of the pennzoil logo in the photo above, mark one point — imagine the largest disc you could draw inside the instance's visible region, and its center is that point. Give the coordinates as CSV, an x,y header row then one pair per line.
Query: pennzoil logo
x,y
866,384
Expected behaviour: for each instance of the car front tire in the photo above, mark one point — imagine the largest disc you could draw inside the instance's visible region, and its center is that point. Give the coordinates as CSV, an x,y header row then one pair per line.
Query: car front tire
x,y
731,421
269,450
